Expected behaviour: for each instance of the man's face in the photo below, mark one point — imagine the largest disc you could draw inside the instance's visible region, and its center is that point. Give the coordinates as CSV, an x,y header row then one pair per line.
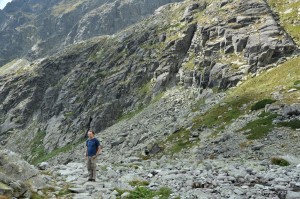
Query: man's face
x,y
90,134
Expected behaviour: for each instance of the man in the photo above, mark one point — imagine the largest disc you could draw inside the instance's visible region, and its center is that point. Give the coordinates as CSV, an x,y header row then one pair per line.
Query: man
x,y
93,149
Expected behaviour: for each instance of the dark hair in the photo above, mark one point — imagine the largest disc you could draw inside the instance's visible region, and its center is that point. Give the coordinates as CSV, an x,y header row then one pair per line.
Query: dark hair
x,y
92,132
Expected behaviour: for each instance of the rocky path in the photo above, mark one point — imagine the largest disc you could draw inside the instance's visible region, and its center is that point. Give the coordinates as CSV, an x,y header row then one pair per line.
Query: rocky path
x,y
185,179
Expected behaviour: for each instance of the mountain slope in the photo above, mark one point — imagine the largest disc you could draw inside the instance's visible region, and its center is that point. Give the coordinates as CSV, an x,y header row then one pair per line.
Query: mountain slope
x,y
93,83
38,28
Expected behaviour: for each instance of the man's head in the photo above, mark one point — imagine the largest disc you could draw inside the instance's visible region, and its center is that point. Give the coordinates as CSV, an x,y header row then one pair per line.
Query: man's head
x,y
91,134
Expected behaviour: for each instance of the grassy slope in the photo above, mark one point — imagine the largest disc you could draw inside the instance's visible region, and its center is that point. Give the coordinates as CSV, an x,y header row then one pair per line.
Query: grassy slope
x,y
66,6
18,66
289,16
256,89
280,79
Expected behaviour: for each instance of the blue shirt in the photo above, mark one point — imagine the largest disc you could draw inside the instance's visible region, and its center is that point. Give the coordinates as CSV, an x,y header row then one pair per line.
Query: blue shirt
x,y
92,146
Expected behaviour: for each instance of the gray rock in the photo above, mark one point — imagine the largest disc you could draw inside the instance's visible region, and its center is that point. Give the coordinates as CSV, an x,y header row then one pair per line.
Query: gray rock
x,y
293,109
125,195
43,165
18,174
77,190
118,142
292,195
239,42
223,3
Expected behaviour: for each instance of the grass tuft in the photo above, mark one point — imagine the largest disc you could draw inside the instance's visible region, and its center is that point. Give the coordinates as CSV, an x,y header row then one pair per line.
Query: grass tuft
x,y
294,124
279,161
139,183
143,192
260,128
261,104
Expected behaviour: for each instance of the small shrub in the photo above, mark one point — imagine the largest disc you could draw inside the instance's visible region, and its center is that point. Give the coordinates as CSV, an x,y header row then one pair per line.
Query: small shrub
x,y
64,191
296,83
35,196
294,124
164,193
177,141
196,106
139,183
279,161
261,104
141,192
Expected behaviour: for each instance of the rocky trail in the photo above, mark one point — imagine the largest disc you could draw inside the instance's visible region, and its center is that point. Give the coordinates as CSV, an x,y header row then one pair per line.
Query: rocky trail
x,y
181,178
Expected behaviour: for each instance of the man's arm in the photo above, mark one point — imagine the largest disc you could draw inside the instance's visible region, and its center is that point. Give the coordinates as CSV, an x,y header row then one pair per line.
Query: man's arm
x,y
99,149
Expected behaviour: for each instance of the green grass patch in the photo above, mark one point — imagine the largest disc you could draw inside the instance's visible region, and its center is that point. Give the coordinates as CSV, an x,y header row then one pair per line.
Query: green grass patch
x,y
42,156
261,104
144,193
139,183
196,106
220,115
154,45
294,124
289,18
37,147
296,83
131,114
45,191
260,128
36,196
279,161
145,89
64,191
17,66
260,87
66,6
177,141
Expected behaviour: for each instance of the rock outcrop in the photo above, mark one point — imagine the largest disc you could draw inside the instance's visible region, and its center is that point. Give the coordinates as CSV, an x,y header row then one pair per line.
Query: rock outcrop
x,y
17,177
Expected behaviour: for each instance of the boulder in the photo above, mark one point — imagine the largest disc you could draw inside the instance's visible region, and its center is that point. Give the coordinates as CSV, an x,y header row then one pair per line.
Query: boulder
x,y
43,165
293,109
239,42
18,174
293,195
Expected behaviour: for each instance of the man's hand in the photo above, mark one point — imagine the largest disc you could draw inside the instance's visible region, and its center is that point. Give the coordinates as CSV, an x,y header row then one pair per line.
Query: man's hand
x,y
86,157
94,157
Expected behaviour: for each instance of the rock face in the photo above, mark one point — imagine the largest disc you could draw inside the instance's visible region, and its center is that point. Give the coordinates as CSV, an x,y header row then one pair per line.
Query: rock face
x,y
17,177
37,28
240,39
